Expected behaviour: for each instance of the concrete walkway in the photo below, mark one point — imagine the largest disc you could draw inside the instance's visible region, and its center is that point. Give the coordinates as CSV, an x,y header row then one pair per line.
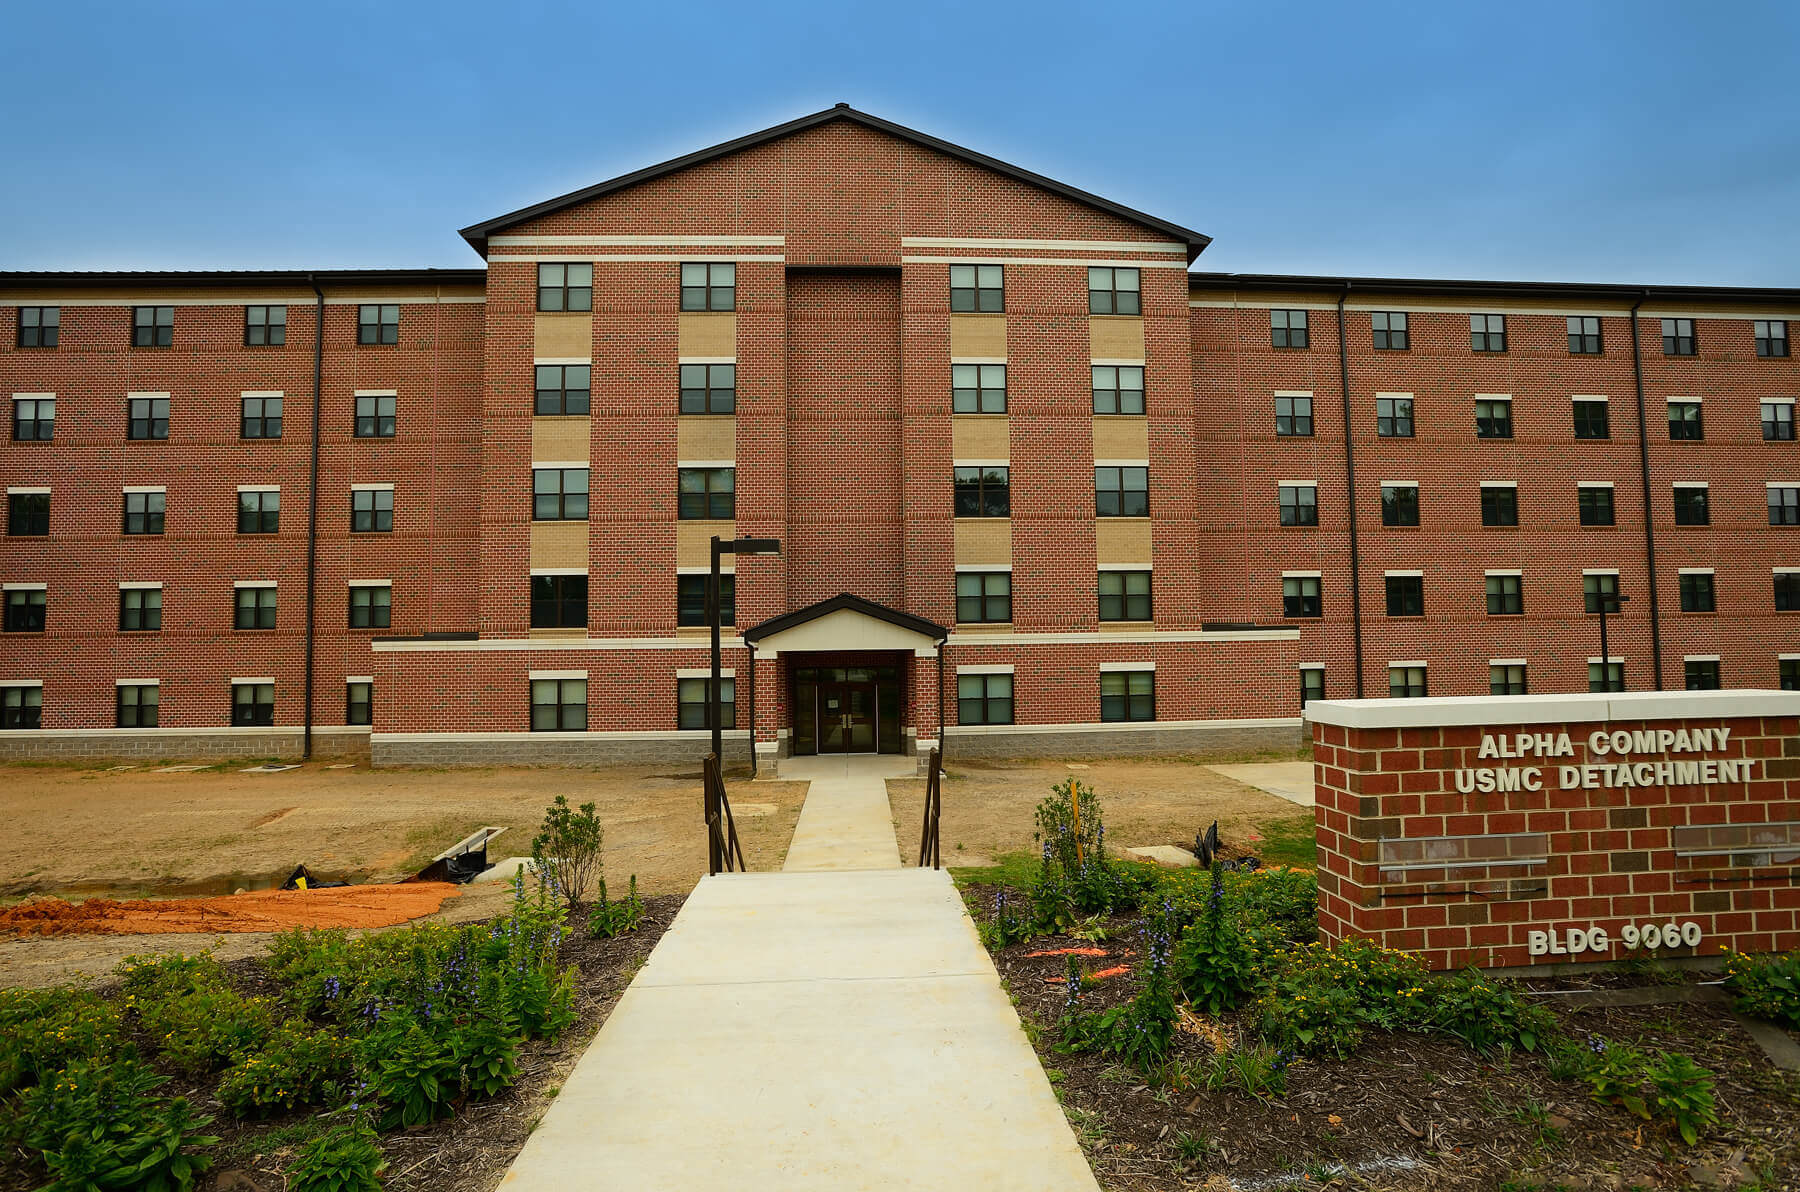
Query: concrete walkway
x,y
834,1026
845,822
1292,781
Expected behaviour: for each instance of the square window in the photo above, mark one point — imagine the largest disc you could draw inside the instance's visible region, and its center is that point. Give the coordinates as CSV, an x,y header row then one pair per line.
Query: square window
x,y
261,418
1389,329
1506,679
140,609
1300,596
34,419
1287,329
1405,595
1700,675
690,600
1591,421
28,514
138,704
24,706
378,323
39,326
1114,291
1684,422
978,388
1493,418
1678,337
371,607
1294,415
1399,504
983,597
1787,592
1690,505
144,513
691,703
559,494
983,492
707,494
375,415
1406,682
1499,505
978,288
1503,596
1784,506
984,699
152,326
1312,684
1595,504
1771,337
1118,389
1598,590
253,704
265,326
709,285
1121,492
253,608
1777,421
371,510
559,601
147,418
705,389
259,512
1487,333
1299,504
562,388
1697,592
359,703
1127,695
25,610
559,705
1125,596
1394,417
1584,335
565,286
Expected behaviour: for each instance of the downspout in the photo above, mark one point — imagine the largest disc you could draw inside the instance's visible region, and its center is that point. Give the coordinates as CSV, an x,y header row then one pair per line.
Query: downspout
x,y
1637,368
1356,636
312,512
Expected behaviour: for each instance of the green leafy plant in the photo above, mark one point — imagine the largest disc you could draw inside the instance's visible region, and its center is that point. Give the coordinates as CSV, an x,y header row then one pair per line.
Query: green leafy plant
x,y
1007,925
345,1159
1258,1069
565,855
1615,1076
1766,986
42,1030
610,919
97,1126
1484,1013
299,1065
203,1030
413,1075
1320,1000
488,1050
156,978
1681,1094
1141,1030
1213,963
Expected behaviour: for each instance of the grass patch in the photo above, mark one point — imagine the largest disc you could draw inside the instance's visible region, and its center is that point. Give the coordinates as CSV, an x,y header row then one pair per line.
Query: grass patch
x,y
1290,841
1018,870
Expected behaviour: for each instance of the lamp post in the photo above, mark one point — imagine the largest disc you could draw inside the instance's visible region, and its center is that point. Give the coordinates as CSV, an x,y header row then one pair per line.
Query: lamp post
x,y
715,712
1607,602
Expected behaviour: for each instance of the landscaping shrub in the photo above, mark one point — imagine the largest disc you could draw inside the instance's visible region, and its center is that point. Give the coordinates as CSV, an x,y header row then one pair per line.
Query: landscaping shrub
x,y
1670,1088
487,1050
1485,1014
1213,962
1138,1031
1766,986
203,1030
97,1126
565,856
345,1159
1076,877
610,919
413,1074
1007,925
42,1030
1320,1000
298,1065
146,978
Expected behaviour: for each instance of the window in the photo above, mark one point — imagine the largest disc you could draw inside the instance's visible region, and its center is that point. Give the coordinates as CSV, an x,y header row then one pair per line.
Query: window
x,y
1590,419
1294,414
1394,417
261,417
1701,674
1405,595
140,609
144,512
708,494
253,703
1118,389
34,419
690,600
981,388
1598,587
565,286
1503,596
559,494
1399,504
265,326
705,388
38,326
983,492
1584,335
1406,682
259,511
28,514
138,705
1487,333
1690,505
691,701
1678,337
1390,334
1790,674
147,418
977,288
1684,422
1287,329
1300,596
1299,504
371,606
559,705
1125,596
1312,684
1499,505
1113,291
983,597
1784,505
1787,593
1771,336
563,388
1493,418
1127,695
1595,504
1697,592
359,702
25,610
254,608
1777,422
152,326
559,601
377,324
1506,678
1121,492
371,510
709,285
375,415
24,706
984,699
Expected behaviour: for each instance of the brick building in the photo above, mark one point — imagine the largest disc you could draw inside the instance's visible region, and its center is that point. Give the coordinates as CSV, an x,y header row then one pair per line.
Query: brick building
x,y
1038,486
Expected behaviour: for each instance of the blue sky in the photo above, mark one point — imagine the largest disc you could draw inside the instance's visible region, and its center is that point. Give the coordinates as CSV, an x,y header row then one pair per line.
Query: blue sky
x,y
1641,142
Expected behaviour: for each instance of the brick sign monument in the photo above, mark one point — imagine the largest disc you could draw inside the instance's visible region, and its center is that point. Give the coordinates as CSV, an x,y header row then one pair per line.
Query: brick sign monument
x,y
1515,831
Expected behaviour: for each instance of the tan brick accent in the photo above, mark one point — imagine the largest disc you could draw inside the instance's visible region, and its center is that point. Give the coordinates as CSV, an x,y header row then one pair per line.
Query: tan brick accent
x,y
710,334
706,436
693,542
560,437
983,540
1120,437
980,436
1122,540
978,335
559,544
1116,337
563,336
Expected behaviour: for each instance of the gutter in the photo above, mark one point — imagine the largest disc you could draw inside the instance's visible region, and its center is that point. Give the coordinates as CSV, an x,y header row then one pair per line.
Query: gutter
x,y
1637,368
1356,634
312,514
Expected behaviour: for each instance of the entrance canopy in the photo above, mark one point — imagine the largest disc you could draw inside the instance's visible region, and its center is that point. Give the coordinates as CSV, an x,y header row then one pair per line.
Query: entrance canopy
x,y
845,622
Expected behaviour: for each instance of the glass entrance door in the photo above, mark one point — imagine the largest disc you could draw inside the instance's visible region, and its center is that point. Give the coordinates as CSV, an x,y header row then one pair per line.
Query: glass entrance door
x,y
848,714
847,710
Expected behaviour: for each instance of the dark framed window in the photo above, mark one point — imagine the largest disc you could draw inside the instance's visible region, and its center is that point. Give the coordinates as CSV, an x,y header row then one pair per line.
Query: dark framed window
x,y
1487,333
25,610
1114,291
1127,695
1700,674
559,601
375,415
1405,595
1493,418
371,510
1594,502
978,288
565,285
34,419
563,388
1504,598
1125,596
377,323
138,704
690,703
1685,424
140,609
1121,492
359,703
371,606
984,491
983,597
147,418
709,285
1300,596
259,511
1787,592
1777,421
28,514
1584,335
1790,673
1118,389
1697,594
253,608
1394,417
1499,505
1678,337
24,706
1506,678
265,326
708,494
152,326
1294,415
1784,505
1598,588
1299,504
705,388
559,494
1287,329
1389,331
1591,420
143,513
261,417
1399,504
1312,684
253,704
1609,678
984,699
1690,505
39,326
1406,682
978,388
690,600
1771,337
559,705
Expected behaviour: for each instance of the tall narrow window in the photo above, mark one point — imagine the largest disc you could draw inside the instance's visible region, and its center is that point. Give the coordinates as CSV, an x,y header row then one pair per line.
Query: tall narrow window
x,y
559,494
1406,682
1784,505
984,491
1691,506
1113,291
1390,333
691,703
1787,593
359,702
1405,595
34,419
1700,674
705,388
1584,335
565,285
375,415
378,323
983,597
39,325
978,388
371,510
1300,596
1121,492
1118,389
265,326
24,704
259,511
1294,414
28,514
1312,684
371,606
1493,418
1399,504
559,601
1790,673
1778,421
1487,333
261,416
559,705
978,288
1503,596
138,705
1287,329
1594,502
1506,678
144,512
1394,417
1678,337
1771,337
1590,418
1697,592
1299,504
25,610
709,285
563,388
707,494
984,699
152,326
253,608
690,600
140,609
1684,422
1125,596
1127,695
1499,504
147,418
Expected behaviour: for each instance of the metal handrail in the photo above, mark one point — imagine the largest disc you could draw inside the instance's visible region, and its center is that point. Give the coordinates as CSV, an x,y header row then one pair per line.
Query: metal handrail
x,y
929,853
723,852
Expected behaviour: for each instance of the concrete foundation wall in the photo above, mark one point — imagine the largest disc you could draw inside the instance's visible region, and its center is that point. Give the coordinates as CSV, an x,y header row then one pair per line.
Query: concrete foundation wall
x,y
552,749
1137,741
181,744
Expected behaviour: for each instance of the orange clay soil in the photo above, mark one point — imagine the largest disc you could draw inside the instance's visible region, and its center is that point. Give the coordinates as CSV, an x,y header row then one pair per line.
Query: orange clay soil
x,y
261,910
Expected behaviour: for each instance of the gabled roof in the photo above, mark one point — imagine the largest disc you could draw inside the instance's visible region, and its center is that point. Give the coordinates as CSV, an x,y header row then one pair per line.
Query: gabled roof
x,y
477,234
842,602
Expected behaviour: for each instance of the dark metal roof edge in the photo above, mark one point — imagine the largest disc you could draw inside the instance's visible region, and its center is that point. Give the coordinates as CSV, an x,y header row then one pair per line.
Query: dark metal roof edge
x,y
226,277
1476,288
476,234
844,600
